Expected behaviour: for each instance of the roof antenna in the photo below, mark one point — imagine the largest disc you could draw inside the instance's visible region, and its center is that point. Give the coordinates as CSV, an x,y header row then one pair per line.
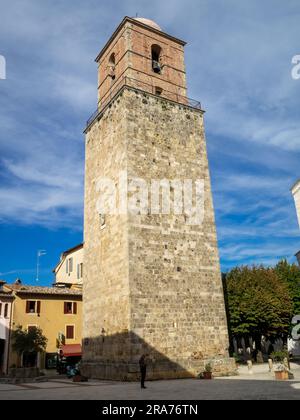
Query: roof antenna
x,y
40,253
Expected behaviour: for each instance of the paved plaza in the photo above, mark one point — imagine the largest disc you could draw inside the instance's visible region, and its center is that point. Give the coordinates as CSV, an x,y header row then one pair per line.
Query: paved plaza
x,y
260,385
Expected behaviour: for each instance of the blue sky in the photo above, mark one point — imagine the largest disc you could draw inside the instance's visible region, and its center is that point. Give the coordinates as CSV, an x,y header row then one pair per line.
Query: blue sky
x,y
238,61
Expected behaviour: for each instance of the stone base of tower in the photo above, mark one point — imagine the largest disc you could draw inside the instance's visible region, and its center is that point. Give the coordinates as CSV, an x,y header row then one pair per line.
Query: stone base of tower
x,y
130,372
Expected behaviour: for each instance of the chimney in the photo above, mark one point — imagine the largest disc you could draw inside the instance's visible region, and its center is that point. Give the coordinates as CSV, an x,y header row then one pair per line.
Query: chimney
x,y
18,283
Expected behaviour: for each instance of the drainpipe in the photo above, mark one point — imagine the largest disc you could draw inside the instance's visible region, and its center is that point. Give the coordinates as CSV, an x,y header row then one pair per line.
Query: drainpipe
x,y
9,334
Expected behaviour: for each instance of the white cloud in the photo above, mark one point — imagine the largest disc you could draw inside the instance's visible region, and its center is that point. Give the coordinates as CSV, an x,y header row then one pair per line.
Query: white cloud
x,y
238,65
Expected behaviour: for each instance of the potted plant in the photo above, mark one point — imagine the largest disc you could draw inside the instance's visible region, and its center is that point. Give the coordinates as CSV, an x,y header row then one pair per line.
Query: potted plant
x,y
281,372
207,374
280,368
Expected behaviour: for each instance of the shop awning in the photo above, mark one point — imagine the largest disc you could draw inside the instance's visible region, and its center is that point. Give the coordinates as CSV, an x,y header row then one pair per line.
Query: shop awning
x,y
71,350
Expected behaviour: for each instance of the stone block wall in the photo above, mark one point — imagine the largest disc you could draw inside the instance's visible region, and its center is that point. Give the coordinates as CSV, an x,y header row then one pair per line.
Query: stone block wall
x,y
152,283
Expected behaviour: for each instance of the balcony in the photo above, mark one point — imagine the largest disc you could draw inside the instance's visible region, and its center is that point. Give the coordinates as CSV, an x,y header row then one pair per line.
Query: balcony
x,y
144,87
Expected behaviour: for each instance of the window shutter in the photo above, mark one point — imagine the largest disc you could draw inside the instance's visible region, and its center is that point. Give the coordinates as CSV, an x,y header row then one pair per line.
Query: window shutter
x,y
71,265
67,263
65,308
38,307
75,308
27,307
70,332
78,271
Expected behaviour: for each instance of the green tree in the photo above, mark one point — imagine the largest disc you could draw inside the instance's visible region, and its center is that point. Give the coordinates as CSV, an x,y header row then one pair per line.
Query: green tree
x,y
28,342
290,273
259,303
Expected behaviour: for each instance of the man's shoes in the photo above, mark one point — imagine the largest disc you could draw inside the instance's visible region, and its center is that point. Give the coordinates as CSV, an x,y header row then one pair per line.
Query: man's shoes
x,y
144,387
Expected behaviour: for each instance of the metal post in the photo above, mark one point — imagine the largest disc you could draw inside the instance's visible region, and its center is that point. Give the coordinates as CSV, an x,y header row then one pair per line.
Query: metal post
x,y
40,253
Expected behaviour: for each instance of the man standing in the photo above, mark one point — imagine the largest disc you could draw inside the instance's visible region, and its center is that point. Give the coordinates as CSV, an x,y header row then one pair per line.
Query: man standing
x,y
143,368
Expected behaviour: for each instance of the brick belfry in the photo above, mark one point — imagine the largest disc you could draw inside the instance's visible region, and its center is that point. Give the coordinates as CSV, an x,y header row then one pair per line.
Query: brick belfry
x,y
152,282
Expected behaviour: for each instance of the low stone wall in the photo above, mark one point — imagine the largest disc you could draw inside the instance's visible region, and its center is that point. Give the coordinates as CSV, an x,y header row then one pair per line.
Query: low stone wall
x,y
23,373
131,372
13,381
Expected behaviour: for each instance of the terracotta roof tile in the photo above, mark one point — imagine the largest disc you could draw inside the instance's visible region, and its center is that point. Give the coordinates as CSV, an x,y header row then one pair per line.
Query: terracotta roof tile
x,y
38,290
5,294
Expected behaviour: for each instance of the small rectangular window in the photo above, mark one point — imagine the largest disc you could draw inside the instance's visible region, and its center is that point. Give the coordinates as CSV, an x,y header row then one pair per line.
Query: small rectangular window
x,y
31,328
79,271
70,308
31,306
6,310
0,309
70,265
70,332
158,90
102,221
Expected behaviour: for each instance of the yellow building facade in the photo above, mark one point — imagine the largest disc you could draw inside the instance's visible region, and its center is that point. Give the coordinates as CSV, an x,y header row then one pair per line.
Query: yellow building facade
x,y
69,271
56,311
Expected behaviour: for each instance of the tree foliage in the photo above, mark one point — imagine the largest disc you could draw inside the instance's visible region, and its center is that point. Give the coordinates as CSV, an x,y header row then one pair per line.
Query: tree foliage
x,y
290,274
259,302
28,341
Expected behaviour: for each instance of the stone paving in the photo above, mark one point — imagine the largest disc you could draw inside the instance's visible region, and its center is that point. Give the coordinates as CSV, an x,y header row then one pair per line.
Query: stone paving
x,y
260,385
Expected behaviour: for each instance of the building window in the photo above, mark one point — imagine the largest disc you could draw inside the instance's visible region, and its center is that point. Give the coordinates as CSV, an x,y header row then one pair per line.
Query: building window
x,y
158,90
31,328
33,307
156,58
102,221
79,271
70,332
6,310
112,66
69,265
0,309
70,308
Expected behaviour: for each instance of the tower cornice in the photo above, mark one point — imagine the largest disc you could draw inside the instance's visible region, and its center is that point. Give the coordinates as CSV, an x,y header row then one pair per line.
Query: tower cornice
x,y
190,104
142,25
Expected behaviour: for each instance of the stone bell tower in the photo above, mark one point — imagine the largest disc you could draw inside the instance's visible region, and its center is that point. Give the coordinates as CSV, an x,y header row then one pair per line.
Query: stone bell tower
x,y
152,280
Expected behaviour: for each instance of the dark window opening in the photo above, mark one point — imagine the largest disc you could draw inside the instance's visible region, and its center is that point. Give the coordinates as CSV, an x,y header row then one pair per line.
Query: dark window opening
x,y
156,58
6,310
70,308
31,328
112,59
102,221
79,271
70,332
31,306
112,66
69,265
158,90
